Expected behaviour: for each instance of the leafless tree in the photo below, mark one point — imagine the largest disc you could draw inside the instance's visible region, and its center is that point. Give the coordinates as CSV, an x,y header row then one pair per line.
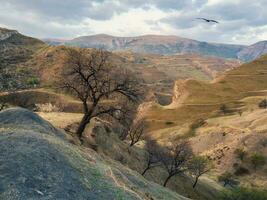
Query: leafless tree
x,y
153,155
90,75
126,118
137,130
198,166
175,159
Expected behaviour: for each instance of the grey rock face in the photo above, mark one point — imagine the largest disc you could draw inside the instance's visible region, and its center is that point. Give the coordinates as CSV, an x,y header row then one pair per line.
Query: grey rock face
x,y
36,162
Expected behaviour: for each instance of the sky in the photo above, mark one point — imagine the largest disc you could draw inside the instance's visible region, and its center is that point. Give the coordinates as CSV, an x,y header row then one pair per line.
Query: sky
x,y
241,21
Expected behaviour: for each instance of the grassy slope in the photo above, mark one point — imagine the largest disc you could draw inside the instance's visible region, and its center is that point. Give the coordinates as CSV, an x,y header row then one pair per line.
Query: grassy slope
x,y
204,99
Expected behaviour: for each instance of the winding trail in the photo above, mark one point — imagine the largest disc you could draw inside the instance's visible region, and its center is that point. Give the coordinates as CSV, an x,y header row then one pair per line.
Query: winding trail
x,y
122,185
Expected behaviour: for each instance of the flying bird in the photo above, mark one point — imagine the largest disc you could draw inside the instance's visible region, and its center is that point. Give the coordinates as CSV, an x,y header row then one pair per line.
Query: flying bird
x,y
209,20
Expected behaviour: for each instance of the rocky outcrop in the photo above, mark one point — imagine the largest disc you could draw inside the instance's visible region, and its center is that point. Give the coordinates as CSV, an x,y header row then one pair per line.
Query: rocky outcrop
x,y
180,93
5,33
37,162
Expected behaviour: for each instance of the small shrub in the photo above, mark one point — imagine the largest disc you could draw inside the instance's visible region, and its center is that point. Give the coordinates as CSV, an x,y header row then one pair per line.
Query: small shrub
x,y
240,154
241,171
263,104
227,179
197,124
32,81
169,123
244,194
257,160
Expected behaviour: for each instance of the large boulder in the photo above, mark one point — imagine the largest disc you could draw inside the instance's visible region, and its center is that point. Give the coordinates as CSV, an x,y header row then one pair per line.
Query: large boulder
x,y
37,162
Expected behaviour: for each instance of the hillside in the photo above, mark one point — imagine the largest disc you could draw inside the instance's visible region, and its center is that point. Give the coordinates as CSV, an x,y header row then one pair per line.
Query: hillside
x,y
16,48
211,101
253,51
202,100
219,118
37,162
158,72
154,44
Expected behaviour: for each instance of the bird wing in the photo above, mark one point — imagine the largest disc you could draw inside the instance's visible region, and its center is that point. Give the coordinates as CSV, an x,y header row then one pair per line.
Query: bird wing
x,y
202,18
214,21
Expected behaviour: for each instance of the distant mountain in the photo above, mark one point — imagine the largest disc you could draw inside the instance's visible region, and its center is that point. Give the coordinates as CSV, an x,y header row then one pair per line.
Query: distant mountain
x,y
165,45
254,51
155,44
54,42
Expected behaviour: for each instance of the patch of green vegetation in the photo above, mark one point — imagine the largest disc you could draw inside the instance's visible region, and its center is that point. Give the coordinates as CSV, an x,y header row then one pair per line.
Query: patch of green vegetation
x,y
244,194
32,81
257,160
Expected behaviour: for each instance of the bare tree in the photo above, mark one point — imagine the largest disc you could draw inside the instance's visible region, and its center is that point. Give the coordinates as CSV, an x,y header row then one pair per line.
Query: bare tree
x,y
137,131
153,151
175,159
90,75
198,166
126,118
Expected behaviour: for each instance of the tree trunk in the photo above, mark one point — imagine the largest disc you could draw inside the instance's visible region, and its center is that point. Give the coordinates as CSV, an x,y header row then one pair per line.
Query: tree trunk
x,y
166,181
132,143
82,125
147,168
195,183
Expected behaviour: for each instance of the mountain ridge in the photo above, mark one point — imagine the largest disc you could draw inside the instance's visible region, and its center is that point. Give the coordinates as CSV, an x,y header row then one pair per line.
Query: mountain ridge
x,y
165,45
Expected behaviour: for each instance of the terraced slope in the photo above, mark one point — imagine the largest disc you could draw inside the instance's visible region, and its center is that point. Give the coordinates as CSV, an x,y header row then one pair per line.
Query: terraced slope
x,y
195,100
37,162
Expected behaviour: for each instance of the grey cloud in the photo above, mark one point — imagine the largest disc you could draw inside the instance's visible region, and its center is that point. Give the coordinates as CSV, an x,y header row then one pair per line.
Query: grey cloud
x,y
65,10
66,18
236,17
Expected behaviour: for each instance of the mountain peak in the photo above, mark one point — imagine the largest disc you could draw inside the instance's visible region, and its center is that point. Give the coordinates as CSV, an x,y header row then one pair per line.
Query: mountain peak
x,y
6,33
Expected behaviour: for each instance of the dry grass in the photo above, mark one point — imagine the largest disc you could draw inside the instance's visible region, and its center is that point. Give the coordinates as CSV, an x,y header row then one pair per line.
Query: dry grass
x,y
221,136
204,99
61,119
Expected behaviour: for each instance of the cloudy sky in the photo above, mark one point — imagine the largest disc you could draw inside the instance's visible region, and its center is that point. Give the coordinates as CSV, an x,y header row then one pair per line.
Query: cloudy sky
x,y
241,21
